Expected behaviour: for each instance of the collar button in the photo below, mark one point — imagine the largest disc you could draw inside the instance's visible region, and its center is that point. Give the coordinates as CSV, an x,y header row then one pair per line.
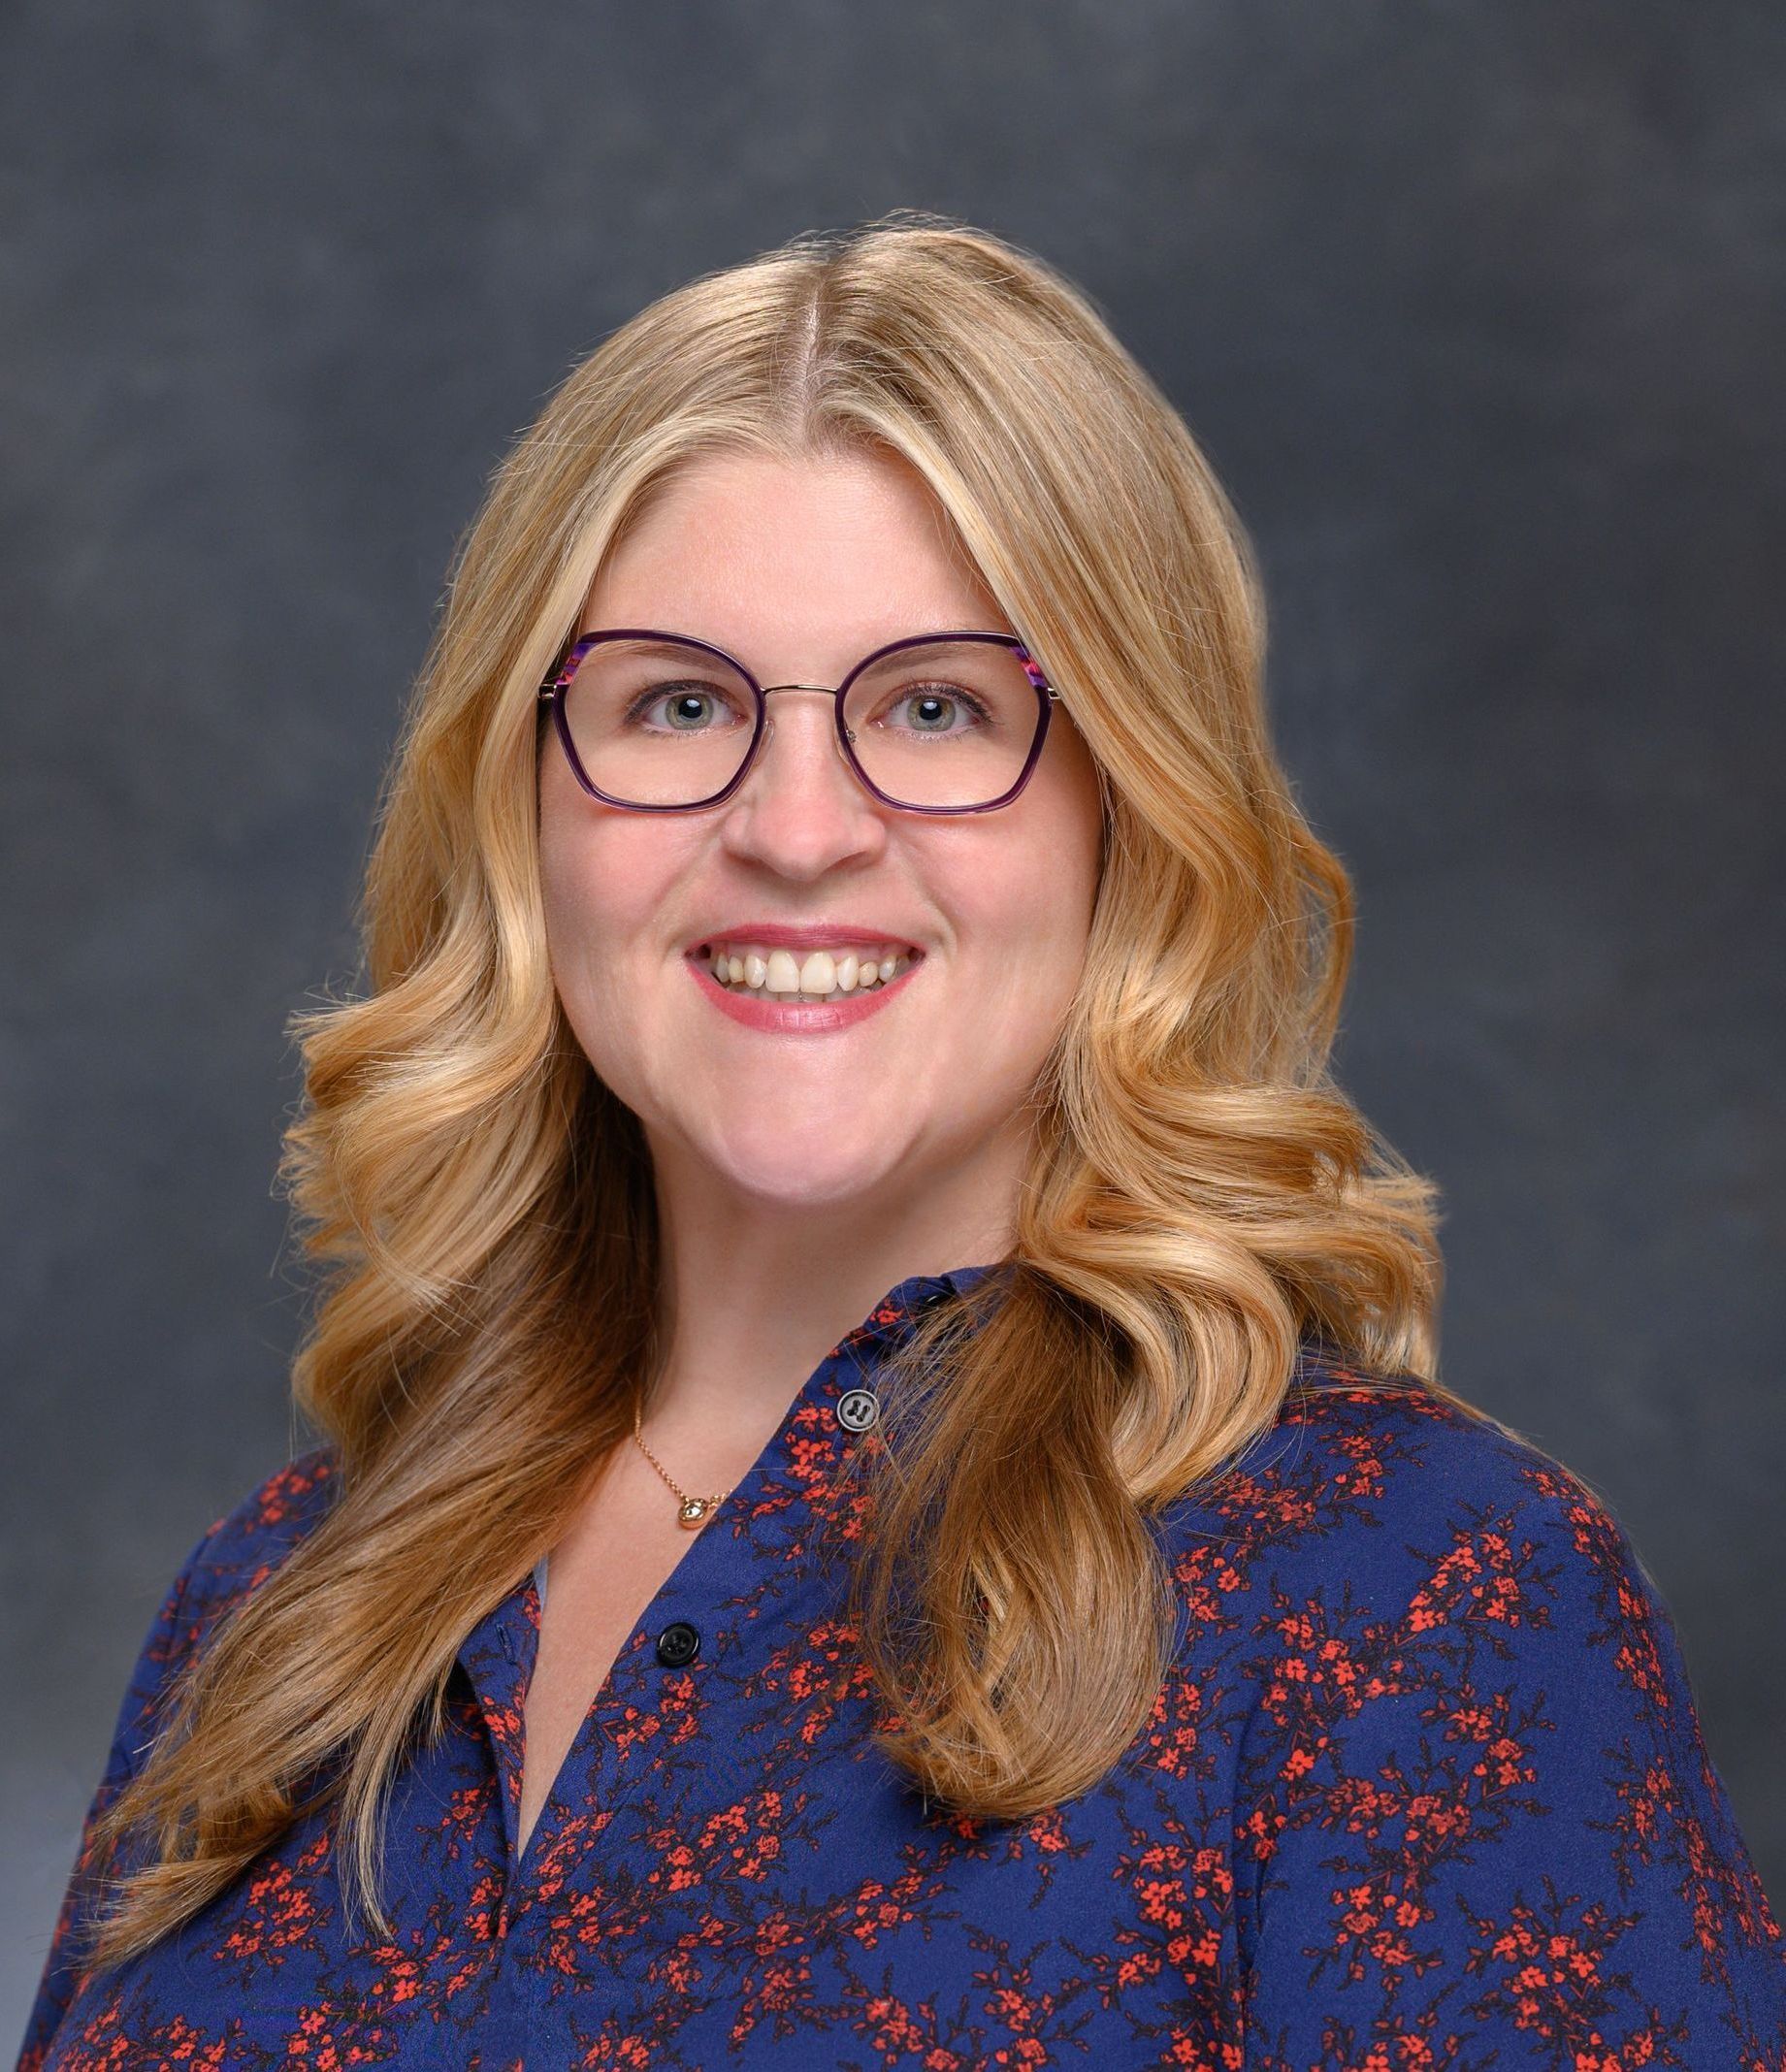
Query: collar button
x,y
858,1409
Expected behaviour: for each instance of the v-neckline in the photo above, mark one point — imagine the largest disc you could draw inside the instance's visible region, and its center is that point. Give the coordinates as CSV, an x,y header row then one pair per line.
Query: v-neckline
x,y
725,1556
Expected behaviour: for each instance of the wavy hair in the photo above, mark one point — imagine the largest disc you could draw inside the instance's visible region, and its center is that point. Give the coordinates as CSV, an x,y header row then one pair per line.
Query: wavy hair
x,y
479,1205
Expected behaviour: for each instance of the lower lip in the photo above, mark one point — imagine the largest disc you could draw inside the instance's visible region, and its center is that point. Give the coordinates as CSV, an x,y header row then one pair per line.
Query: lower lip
x,y
798,1018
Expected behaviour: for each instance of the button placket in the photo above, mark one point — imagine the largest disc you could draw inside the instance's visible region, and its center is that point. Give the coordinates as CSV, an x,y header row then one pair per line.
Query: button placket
x,y
611,1754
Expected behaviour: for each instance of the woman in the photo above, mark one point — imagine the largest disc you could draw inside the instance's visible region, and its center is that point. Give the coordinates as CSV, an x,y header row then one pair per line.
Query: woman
x,y
885,1498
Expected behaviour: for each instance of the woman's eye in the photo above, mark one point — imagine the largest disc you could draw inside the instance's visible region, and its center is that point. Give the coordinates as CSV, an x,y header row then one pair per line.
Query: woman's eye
x,y
682,708
937,708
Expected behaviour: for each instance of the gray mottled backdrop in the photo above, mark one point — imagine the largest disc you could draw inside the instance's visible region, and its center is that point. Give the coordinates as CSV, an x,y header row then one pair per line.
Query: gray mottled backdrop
x,y
1476,307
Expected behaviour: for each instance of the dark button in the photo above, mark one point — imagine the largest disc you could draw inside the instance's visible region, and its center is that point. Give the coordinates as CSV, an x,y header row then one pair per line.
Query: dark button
x,y
858,1409
931,1301
678,1644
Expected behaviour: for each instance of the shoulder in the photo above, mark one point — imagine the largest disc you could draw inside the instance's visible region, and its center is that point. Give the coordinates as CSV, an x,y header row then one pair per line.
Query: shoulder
x,y
1411,1497
1457,1729
241,1549
1384,1562
1393,1591
238,1551
278,1511
234,1555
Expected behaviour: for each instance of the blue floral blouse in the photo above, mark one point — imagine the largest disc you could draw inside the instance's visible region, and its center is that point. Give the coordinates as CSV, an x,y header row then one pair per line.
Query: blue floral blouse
x,y
1426,1788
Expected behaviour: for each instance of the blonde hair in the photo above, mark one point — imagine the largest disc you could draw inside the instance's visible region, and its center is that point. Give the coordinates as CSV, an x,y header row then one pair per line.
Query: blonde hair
x,y
1202,1196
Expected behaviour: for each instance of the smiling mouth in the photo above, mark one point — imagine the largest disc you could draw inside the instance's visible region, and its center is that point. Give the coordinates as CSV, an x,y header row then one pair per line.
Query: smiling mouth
x,y
820,975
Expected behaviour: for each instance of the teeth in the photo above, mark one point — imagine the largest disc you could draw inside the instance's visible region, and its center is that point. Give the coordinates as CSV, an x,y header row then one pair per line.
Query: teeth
x,y
822,975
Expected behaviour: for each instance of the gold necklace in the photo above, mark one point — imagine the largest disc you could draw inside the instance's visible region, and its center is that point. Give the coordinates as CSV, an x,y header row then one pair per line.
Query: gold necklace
x,y
692,1512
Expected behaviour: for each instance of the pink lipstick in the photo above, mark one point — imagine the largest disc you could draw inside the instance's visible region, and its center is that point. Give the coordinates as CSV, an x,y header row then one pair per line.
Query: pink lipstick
x,y
798,1017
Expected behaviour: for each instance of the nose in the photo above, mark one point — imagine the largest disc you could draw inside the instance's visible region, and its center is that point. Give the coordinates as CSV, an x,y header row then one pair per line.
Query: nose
x,y
802,803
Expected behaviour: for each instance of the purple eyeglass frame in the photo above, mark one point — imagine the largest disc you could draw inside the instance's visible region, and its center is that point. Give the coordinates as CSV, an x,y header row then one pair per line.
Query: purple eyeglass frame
x,y
552,693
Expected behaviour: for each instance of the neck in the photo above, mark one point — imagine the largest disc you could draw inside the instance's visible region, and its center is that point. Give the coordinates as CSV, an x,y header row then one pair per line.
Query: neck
x,y
753,1299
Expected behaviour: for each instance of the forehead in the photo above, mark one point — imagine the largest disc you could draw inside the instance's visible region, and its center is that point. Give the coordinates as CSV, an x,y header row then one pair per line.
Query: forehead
x,y
822,557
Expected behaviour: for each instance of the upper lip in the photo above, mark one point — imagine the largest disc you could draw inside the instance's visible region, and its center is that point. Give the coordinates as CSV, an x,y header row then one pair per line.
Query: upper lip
x,y
803,935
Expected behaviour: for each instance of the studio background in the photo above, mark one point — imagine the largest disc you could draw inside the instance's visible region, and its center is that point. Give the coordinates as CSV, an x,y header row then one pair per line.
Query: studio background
x,y
1476,309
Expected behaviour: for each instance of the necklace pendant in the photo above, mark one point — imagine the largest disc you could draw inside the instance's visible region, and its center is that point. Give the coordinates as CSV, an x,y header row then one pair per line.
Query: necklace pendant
x,y
692,1512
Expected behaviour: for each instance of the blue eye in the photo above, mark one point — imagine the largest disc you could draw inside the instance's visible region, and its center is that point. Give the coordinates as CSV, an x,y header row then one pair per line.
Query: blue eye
x,y
945,696
684,701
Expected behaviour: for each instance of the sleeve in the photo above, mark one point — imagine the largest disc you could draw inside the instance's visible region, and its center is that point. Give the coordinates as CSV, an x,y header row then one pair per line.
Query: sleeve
x,y
169,1640
1481,1827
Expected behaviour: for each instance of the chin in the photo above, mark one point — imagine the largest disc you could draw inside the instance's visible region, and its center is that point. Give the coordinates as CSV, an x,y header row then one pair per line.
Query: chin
x,y
793,1175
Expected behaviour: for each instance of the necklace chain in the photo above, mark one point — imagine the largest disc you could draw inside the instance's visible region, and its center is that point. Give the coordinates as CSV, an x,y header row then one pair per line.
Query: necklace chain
x,y
692,1512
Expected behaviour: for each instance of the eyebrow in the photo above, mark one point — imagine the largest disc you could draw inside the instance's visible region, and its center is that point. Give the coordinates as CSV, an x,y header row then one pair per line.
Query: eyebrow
x,y
944,637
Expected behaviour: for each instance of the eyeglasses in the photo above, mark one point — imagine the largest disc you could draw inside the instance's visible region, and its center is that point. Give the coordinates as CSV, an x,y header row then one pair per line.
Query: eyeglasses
x,y
661,723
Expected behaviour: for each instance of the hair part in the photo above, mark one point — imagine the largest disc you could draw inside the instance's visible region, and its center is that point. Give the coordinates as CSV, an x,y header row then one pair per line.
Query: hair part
x,y
479,1205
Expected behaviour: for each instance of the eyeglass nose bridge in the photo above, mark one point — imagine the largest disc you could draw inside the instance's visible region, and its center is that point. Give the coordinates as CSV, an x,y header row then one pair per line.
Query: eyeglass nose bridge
x,y
834,690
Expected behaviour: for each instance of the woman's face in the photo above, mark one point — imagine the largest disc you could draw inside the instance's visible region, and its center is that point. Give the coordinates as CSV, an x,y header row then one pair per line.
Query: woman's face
x,y
799,571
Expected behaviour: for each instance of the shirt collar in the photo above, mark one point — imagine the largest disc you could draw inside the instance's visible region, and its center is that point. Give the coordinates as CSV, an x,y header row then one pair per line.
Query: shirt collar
x,y
904,1303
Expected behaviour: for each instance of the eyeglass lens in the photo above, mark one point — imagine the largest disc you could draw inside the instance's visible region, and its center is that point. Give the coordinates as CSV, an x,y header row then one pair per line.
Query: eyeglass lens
x,y
944,723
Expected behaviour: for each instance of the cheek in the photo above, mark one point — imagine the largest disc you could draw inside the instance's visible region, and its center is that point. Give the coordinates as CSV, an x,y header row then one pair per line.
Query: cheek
x,y
1029,928
568,882
1060,865
599,881
1027,886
